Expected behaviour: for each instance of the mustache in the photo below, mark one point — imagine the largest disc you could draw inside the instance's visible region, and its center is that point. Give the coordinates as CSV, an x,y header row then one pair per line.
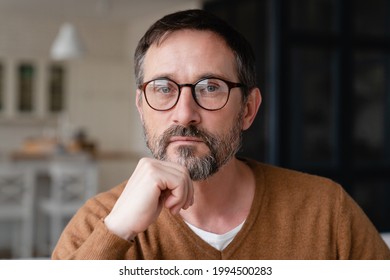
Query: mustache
x,y
186,131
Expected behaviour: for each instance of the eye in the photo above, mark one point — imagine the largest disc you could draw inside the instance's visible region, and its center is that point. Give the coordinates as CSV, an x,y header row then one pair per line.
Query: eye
x,y
211,88
162,87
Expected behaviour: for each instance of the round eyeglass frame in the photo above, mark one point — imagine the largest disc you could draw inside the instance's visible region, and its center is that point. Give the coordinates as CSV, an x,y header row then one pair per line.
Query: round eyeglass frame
x,y
230,85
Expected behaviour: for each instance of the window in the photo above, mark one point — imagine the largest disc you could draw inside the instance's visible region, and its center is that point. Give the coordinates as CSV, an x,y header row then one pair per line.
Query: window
x,y
56,88
369,101
314,100
31,88
26,80
335,96
313,15
371,18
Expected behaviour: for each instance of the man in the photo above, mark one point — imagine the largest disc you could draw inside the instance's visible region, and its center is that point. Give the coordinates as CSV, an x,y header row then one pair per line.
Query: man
x,y
195,199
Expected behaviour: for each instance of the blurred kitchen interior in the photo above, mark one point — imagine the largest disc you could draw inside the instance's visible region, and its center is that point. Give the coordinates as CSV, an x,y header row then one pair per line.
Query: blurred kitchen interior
x,y
323,68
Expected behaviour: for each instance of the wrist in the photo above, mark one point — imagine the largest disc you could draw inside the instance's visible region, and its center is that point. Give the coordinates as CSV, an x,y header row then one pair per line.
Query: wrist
x,y
119,231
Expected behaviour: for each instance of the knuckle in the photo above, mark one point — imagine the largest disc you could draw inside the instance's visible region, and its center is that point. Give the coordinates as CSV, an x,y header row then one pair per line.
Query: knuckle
x,y
146,163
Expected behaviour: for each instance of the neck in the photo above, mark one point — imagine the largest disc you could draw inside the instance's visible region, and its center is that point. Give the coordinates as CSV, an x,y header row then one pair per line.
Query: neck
x,y
223,201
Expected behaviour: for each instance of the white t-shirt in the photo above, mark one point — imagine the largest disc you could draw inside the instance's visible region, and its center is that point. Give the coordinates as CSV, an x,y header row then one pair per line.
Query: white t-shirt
x,y
218,241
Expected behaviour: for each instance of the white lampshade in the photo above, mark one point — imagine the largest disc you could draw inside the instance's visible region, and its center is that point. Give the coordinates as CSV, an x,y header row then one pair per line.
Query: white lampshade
x,y
67,44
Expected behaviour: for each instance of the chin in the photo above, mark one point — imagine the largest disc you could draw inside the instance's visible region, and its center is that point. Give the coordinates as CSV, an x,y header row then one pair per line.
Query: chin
x,y
189,151
180,154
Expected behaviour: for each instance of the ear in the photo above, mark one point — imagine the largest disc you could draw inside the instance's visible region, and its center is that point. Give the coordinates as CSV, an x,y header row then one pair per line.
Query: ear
x,y
138,103
251,108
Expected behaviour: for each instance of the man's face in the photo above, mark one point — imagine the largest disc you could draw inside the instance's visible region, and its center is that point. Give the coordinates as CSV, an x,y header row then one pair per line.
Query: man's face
x,y
201,140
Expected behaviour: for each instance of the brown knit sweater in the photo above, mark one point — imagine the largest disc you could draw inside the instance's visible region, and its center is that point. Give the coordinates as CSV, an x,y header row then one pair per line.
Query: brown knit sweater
x,y
293,216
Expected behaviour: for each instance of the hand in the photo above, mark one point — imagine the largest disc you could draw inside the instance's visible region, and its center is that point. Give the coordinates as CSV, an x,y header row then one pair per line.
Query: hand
x,y
153,185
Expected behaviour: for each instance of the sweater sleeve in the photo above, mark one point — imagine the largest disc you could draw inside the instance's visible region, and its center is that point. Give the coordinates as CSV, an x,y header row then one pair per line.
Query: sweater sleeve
x,y
357,237
87,237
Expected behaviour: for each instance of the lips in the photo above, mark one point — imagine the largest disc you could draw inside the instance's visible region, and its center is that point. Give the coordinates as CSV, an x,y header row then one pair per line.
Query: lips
x,y
184,139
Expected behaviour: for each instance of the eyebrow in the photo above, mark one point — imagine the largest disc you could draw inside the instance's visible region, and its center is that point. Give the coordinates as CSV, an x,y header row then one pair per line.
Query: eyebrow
x,y
199,77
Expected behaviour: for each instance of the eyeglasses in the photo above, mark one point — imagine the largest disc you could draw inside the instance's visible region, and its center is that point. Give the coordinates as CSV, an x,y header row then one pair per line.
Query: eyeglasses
x,y
209,93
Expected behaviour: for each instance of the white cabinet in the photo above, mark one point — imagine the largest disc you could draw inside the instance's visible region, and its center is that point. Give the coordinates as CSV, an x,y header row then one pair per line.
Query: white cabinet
x,y
31,88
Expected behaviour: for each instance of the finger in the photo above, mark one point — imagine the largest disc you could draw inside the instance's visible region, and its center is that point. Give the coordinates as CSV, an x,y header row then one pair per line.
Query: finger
x,y
184,203
174,183
178,196
190,197
181,195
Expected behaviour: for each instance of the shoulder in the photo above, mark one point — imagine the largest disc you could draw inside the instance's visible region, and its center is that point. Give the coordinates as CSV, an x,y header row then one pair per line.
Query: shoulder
x,y
316,206
281,186
282,178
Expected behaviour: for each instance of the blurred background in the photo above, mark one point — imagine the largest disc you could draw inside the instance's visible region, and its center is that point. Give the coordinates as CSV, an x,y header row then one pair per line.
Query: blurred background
x,y
69,127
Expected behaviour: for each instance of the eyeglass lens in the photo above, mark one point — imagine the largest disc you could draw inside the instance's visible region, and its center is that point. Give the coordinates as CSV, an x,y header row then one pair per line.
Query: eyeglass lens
x,y
163,94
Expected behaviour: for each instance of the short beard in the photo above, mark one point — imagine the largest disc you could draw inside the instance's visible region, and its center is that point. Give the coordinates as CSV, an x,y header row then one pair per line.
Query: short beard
x,y
221,148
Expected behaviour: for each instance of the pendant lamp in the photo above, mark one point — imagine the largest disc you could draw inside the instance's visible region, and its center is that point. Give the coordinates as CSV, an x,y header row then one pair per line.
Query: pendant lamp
x,y
67,44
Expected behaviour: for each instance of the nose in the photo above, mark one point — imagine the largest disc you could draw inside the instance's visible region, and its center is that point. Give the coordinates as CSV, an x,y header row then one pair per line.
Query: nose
x,y
186,111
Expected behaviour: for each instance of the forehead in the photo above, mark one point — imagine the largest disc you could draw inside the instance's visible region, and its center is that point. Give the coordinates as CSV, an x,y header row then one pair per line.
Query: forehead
x,y
186,55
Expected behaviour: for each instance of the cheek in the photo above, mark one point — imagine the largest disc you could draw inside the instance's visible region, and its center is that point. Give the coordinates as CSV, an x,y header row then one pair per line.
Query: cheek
x,y
153,125
231,120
